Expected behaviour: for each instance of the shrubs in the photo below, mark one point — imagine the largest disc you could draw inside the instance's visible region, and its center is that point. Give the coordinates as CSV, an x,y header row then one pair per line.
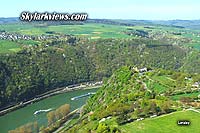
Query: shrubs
x,y
123,119
57,118
52,118
186,99
59,113
105,128
28,128
114,110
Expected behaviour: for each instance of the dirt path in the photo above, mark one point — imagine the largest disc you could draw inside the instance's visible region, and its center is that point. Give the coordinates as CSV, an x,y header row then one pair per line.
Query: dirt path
x,y
191,109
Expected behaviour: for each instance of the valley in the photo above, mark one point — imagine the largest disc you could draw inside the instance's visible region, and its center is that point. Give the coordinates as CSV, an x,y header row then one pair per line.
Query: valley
x,y
150,73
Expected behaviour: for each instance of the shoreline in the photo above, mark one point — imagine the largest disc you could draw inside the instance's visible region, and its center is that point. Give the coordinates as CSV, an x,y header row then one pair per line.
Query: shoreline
x,y
81,86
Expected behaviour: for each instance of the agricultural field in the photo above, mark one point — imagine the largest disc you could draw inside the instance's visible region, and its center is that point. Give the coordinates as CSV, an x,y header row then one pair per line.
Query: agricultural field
x,y
9,47
95,31
165,124
87,30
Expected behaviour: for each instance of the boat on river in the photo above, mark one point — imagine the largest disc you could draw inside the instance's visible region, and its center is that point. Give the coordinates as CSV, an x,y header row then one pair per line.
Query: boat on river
x,y
41,111
84,95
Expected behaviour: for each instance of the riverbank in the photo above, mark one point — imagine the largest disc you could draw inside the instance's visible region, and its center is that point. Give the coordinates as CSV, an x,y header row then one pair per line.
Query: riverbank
x,y
25,115
58,125
82,86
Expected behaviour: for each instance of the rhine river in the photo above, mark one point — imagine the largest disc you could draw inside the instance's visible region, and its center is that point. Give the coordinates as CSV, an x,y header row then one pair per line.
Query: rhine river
x,y
24,115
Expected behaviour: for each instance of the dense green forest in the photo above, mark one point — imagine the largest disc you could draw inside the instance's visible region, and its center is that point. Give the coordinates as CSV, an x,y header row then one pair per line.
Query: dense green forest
x,y
34,71
37,69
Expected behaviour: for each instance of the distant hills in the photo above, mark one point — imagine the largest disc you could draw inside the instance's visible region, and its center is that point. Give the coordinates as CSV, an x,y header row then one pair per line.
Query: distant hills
x,y
9,20
191,24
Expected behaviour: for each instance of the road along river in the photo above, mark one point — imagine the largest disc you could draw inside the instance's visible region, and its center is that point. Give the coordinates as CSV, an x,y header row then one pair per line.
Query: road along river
x,y
24,115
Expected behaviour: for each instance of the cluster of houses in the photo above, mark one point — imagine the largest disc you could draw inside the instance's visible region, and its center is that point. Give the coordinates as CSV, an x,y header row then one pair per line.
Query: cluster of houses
x,y
83,85
94,83
142,70
196,86
15,36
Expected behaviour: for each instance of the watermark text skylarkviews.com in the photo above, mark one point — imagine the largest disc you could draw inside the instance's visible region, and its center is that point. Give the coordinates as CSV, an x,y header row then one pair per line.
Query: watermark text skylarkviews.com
x,y
46,16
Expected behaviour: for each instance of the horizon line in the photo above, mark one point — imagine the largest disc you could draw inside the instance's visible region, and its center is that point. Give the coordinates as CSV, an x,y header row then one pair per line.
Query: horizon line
x,y
128,19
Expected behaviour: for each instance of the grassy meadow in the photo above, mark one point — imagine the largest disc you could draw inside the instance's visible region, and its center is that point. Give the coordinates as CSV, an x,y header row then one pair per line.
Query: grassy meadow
x,y
8,46
165,124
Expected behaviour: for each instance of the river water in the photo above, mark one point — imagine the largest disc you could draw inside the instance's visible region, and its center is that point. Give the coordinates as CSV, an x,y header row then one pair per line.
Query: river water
x,y
24,115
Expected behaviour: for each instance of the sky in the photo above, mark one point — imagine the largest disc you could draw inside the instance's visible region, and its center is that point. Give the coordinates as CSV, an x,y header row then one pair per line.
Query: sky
x,y
108,9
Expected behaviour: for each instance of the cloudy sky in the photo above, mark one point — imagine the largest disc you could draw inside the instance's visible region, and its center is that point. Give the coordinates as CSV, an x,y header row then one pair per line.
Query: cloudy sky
x,y
110,9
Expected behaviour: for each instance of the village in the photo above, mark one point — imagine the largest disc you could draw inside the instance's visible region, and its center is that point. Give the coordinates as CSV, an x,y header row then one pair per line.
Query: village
x,y
4,35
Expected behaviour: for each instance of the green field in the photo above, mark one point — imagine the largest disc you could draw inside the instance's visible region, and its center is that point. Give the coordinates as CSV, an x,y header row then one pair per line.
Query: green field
x,y
192,95
8,46
165,124
167,81
160,83
92,31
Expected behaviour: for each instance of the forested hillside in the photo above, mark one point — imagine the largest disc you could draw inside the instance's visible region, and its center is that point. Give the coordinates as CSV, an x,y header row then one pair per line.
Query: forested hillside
x,y
34,71
37,69
131,95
